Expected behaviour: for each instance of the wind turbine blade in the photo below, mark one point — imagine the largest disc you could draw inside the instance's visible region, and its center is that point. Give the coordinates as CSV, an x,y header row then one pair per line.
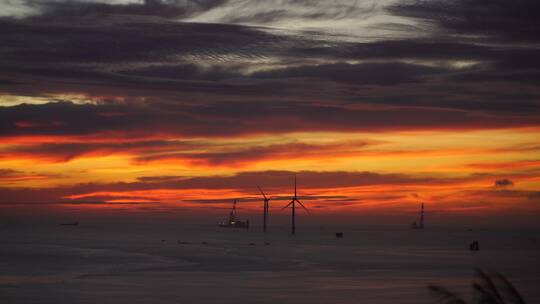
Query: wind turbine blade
x,y
262,192
288,205
303,206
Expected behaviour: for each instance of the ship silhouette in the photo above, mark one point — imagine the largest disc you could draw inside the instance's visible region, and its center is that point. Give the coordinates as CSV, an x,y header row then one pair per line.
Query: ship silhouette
x,y
233,221
420,223
70,224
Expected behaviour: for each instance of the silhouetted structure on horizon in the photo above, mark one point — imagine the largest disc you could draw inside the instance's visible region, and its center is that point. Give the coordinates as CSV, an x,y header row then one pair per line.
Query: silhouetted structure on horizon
x,y
474,246
293,209
70,224
420,223
265,209
233,221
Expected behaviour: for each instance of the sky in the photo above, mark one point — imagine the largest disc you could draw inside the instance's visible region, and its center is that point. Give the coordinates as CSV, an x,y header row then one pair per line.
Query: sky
x,y
181,106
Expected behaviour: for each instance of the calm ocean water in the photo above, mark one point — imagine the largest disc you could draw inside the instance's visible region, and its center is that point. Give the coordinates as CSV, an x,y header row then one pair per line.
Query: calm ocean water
x,y
164,263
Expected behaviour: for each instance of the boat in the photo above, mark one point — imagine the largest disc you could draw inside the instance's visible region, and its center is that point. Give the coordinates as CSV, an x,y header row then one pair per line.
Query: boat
x,y
233,221
70,224
420,224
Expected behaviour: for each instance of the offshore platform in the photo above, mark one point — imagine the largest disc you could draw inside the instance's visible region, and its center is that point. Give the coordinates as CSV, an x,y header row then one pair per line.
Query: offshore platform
x,y
233,221
420,223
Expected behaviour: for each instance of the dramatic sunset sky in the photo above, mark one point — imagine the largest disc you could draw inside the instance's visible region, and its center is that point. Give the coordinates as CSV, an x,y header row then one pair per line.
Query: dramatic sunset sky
x,y
181,106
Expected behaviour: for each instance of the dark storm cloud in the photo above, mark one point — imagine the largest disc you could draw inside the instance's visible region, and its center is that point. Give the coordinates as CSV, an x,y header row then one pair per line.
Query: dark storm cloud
x,y
231,118
246,183
125,201
503,183
258,12
331,200
392,49
116,28
243,181
156,8
64,152
511,29
489,75
370,73
153,150
70,118
258,153
263,12
118,39
284,179
9,175
198,79
185,71
499,19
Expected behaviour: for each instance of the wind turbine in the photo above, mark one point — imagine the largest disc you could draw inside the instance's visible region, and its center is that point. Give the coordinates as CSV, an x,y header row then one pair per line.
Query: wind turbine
x,y
422,217
265,209
293,209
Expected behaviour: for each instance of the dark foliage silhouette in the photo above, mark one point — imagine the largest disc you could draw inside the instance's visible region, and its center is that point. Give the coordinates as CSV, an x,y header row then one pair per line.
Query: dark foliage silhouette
x,y
489,288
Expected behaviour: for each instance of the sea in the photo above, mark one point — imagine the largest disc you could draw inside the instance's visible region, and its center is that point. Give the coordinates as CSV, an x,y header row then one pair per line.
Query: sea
x,y
189,263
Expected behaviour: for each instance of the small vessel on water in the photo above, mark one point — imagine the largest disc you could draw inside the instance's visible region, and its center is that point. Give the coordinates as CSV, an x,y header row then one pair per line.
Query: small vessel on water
x,y
420,224
233,221
70,224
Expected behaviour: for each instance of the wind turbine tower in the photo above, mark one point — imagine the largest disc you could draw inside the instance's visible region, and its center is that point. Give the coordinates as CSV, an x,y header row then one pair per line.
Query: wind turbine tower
x,y
293,208
422,217
265,209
